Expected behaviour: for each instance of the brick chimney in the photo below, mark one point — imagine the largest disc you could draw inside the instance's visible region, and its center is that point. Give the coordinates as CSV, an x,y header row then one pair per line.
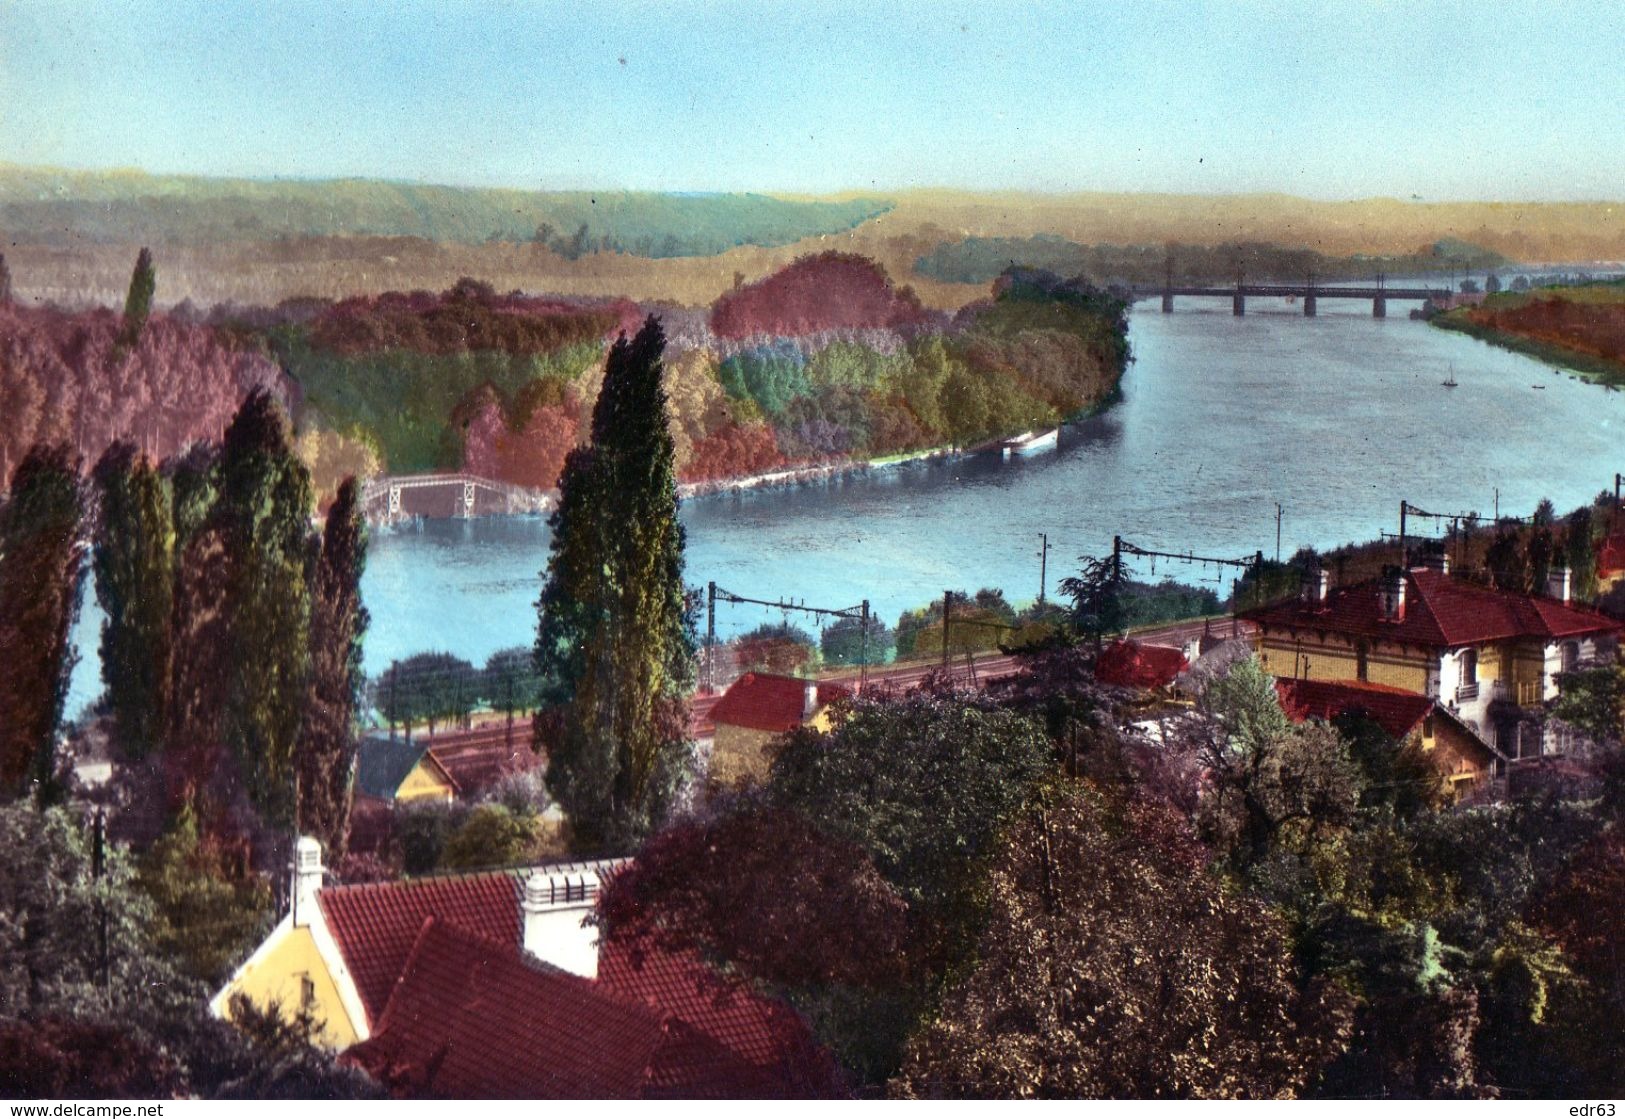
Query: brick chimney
x,y
1557,582
556,899
307,878
1393,594
809,700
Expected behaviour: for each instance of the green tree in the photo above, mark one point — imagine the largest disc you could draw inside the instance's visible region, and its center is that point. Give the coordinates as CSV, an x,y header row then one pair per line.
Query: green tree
x,y
493,835
510,683
1268,782
134,563
41,560
138,301
615,643
1115,966
1097,593
338,620
1580,556
922,782
208,916
263,514
5,280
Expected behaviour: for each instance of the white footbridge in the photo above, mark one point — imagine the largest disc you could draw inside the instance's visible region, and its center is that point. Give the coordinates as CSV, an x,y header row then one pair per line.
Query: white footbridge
x,y
382,499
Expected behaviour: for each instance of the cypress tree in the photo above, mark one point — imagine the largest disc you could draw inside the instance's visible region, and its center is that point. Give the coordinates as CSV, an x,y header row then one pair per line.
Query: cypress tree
x,y
327,739
201,668
262,514
134,562
615,644
138,302
41,561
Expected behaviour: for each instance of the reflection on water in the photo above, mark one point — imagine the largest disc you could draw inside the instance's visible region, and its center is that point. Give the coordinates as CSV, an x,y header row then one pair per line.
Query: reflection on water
x,y
1337,417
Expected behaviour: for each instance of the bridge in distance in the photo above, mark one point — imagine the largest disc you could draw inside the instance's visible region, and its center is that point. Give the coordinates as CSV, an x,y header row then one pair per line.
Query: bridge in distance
x,y
1308,293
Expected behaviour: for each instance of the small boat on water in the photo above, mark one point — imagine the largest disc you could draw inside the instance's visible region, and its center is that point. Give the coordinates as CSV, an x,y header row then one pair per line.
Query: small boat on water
x,y
1541,388
1450,381
1028,442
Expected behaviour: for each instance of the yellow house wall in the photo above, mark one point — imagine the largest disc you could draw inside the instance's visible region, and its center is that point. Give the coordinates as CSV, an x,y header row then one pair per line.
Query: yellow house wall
x,y
276,978
423,783
1330,658
742,754
739,754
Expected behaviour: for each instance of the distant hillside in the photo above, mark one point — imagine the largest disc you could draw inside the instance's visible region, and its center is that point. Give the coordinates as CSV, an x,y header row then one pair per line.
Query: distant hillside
x,y
53,207
977,260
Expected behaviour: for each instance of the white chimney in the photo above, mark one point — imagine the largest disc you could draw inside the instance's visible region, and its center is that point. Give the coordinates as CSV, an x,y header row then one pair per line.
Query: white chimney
x,y
1557,582
809,700
556,901
307,878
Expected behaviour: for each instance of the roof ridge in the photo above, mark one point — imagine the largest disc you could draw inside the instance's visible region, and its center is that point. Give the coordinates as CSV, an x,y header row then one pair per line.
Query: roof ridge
x,y
516,871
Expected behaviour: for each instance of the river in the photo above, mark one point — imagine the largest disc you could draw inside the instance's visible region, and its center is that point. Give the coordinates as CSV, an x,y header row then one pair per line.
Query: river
x,y
1336,417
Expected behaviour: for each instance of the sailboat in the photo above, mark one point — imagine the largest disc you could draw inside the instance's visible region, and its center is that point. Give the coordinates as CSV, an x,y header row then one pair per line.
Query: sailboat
x,y
1450,381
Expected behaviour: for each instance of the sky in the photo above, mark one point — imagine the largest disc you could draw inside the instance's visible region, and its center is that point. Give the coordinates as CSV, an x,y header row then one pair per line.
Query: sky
x,y
1436,100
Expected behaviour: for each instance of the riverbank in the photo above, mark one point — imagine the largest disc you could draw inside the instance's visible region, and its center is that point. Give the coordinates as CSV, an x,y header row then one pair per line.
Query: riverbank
x,y
800,475
1581,329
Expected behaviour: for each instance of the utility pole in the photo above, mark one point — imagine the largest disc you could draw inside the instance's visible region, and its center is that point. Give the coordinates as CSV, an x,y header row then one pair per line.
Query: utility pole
x,y
1402,508
947,614
863,665
1277,532
710,635
1043,563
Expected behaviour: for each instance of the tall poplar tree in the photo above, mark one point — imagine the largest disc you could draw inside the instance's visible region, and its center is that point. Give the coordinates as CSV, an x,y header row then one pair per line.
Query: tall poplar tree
x,y
327,740
138,301
134,562
263,515
41,560
615,644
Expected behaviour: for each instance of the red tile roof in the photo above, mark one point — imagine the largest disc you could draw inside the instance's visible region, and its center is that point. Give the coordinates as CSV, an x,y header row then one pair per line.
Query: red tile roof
x,y
1396,710
763,701
1440,612
1130,664
376,925
472,1018
476,760
764,1032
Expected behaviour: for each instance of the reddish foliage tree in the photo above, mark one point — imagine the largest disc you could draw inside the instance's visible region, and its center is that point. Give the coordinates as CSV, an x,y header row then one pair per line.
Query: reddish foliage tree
x,y
830,291
63,378
733,452
65,1059
468,316
766,891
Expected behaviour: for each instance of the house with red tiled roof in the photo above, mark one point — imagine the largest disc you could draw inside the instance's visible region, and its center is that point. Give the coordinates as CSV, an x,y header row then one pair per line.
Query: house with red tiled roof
x,y
1465,761
1129,664
469,1018
1489,657
755,710
365,962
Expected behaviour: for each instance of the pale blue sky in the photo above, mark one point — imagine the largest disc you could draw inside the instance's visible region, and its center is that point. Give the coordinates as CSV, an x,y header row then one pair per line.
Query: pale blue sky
x,y
1434,99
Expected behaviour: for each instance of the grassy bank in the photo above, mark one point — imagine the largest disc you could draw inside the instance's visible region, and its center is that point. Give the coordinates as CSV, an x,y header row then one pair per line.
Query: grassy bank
x,y
1588,366
1581,328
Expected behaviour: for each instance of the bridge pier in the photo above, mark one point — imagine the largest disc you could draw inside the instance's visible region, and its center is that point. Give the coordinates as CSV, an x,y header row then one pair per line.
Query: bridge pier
x,y
468,500
1238,303
1379,308
394,505
1309,304
1167,302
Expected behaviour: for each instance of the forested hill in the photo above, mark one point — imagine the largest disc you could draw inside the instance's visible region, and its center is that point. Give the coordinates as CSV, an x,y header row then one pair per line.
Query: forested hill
x,y
47,206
